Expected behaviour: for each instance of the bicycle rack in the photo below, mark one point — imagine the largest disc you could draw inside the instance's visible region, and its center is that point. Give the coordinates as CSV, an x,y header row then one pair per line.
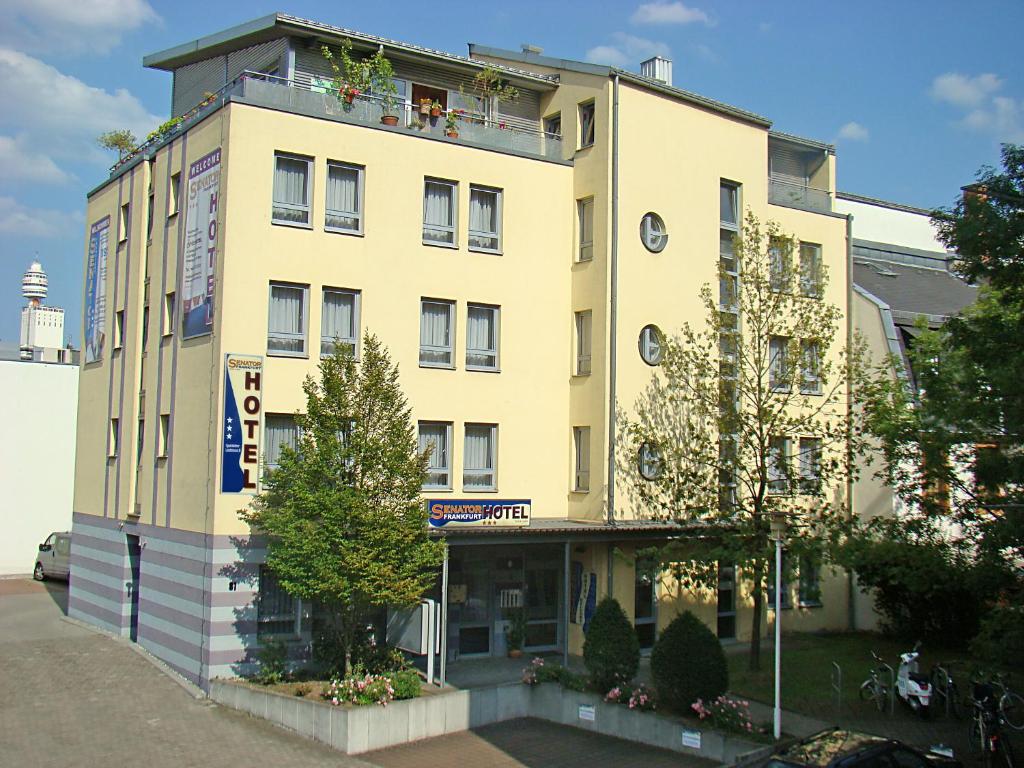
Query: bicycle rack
x,y
892,687
941,684
837,685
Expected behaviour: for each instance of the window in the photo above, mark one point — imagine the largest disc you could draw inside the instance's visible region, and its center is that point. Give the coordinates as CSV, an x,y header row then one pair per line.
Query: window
x,y
292,179
784,597
173,200
436,321
652,233
482,334
162,439
810,373
778,363
810,464
584,323
810,270
139,438
587,112
479,460
114,439
149,216
728,278
278,614
436,437
280,430
649,461
286,328
344,198
169,314
553,125
810,578
125,221
585,215
645,601
728,206
339,320
485,219
119,329
650,344
778,459
145,328
581,443
440,201
777,264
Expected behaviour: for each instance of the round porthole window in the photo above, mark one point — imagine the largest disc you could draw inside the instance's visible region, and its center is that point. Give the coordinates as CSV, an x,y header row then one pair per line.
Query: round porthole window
x,y
653,233
650,344
649,461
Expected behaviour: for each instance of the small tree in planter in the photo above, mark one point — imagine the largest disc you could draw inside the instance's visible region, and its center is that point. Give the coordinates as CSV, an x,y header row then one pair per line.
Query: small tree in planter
x,y
382,83
611,651
351,77
515,635
688,664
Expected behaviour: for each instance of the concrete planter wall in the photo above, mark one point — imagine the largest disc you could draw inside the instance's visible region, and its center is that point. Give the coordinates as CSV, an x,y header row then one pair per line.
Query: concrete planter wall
x,y
361,729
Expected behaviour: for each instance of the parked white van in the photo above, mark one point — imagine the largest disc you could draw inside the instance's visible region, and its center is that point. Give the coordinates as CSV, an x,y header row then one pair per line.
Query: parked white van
x,y
54,560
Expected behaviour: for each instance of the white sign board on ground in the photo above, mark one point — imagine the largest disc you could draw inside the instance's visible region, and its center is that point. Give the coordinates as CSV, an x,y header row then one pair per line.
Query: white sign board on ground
x,y
691,738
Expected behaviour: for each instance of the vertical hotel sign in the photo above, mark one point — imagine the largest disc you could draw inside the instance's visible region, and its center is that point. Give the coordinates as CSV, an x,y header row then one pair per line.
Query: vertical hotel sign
x,y
96,290
200,245
240,432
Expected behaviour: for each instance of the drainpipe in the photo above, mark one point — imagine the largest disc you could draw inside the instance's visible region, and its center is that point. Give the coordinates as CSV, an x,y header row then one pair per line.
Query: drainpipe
x,y
851,596
613,303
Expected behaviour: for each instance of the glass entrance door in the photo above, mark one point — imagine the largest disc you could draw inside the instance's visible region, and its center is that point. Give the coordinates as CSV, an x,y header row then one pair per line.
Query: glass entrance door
x,y
726,602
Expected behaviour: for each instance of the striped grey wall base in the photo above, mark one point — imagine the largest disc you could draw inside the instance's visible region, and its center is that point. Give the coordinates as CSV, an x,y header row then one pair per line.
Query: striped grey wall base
x,y
196,593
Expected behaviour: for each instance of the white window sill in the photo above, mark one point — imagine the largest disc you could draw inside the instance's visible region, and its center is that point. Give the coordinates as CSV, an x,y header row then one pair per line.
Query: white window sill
x,y
482,369
339,231
580,491
439,244
812,392
298,355
439,366
467,489
810,604
431,489
293,224
492,252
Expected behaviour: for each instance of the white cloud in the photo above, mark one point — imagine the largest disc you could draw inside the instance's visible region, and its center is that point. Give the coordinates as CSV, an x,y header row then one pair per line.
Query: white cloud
x,y
668,13
628,50
963,90
984,111
72,26
61,114
853,131
18,219
18,161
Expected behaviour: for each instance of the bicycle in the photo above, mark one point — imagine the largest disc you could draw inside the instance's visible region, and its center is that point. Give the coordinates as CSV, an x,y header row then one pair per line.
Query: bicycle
x,y
1011,705
986,728
874,688
945,687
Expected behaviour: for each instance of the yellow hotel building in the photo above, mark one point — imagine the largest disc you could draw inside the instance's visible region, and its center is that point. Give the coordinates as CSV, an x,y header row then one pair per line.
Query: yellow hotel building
x,y
511,271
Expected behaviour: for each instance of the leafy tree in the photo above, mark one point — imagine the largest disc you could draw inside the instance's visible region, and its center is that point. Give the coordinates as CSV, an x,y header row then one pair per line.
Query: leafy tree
x,y
611,651
343,516
719,436
123,141
688,663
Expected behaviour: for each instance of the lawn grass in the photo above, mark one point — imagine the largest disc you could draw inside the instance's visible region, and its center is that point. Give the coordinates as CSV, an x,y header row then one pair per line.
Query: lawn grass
x,y
807,668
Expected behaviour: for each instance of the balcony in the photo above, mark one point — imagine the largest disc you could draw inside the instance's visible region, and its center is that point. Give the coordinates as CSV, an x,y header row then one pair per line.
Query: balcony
x,y
795,195
476,130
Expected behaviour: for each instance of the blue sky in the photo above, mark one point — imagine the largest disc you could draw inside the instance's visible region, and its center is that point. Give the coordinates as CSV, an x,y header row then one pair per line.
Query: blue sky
x,y
917,96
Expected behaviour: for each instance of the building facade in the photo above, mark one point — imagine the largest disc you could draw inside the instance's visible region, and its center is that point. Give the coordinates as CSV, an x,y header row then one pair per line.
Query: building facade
x,y
514,271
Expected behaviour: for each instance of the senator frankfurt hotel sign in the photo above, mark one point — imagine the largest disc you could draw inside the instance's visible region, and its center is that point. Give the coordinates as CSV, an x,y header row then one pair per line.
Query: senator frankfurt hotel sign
x,y
473,513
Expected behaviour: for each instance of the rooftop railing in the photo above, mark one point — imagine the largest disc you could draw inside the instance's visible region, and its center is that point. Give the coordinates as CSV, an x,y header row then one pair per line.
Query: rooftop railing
x,y
783,192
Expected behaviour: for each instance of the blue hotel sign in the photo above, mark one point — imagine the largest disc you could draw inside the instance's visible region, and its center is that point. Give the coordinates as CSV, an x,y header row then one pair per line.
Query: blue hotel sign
x,y
478,512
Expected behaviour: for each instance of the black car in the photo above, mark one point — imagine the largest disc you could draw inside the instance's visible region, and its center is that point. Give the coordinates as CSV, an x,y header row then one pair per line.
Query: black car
x,y
838,748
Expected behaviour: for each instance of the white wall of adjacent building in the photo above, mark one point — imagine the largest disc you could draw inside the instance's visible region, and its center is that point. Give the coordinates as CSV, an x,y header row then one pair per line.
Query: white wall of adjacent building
x,y
886,223
39,403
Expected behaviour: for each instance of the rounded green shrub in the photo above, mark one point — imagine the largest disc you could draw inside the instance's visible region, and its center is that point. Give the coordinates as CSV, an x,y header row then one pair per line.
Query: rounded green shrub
x,y
1000,641
611,651
688,663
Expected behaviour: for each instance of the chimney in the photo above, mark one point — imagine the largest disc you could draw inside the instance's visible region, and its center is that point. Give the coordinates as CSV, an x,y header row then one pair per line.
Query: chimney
x,y
657,68
534,49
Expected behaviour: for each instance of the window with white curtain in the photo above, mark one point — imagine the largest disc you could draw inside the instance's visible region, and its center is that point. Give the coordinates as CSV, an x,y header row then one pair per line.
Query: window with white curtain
x,y
437,319
778,363
479,460
581,445
482,333
585,216
810,464
436,437
339,321
440,202
485,219
279,430
286,328
778,465
584,323
810,270
292,179
810,368
344,198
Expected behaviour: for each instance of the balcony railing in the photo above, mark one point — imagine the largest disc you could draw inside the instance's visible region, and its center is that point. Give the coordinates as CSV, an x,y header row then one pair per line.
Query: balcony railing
x,y
508,135
783,192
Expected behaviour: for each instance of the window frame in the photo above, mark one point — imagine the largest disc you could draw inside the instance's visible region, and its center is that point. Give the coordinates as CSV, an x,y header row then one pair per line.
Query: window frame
x,y
584,363
170,301
308,208
114,438
174,199
809,483
493,486
499,202
644,344
810,281
450,365
583,247
454,227
809,583
779,382
588,130
649,461
359,214
810,377
646,232
119,321
125,222
555,118
448,467
163,437
305,321
356,320
778,477
269,466
495,311
581,456
300,613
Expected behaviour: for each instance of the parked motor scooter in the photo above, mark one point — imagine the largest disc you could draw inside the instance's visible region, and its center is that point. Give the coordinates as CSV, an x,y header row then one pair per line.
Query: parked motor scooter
x,y
912,686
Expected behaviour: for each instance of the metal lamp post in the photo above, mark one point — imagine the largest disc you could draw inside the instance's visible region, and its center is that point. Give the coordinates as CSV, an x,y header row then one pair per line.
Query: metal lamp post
x,y
778,533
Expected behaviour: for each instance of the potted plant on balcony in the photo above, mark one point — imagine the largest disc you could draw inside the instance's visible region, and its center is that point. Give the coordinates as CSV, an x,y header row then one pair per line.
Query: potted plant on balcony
x,y
515,634
424,106
451,123
435,109
351,77
382,83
